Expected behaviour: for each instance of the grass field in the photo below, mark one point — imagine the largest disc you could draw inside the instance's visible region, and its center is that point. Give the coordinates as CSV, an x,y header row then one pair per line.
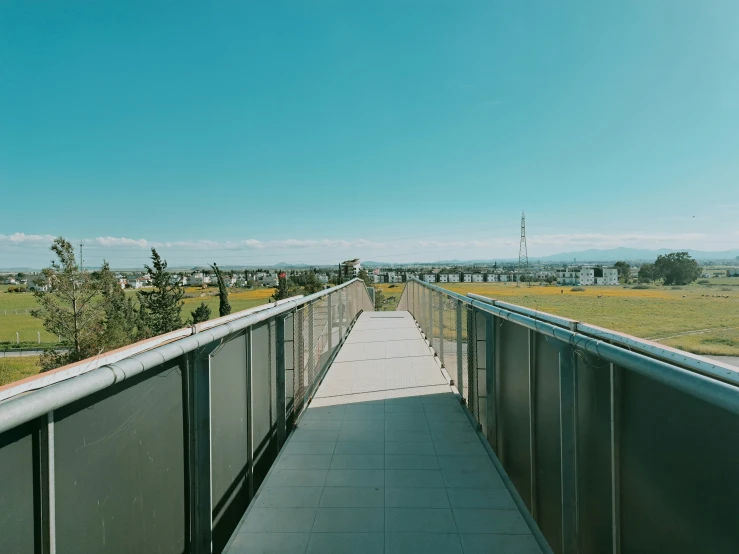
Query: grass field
x,y
696,318
14,369
392,293
15,309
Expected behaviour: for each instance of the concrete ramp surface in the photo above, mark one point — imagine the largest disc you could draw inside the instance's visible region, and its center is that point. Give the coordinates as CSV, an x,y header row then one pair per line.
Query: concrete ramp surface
x,y
384,460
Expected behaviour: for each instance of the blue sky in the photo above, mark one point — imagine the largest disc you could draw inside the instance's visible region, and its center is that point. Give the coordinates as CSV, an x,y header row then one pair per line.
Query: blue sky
x,y
262,132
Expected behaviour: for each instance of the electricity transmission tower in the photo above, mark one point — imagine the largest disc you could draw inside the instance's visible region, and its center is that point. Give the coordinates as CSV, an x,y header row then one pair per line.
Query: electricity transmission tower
x,y
523,255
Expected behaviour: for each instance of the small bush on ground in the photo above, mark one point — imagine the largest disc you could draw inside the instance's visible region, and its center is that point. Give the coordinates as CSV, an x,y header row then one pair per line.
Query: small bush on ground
x,y
642,287
577,289
676,288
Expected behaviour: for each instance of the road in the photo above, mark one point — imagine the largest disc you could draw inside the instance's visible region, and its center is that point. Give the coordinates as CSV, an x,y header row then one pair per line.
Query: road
x,y
24,353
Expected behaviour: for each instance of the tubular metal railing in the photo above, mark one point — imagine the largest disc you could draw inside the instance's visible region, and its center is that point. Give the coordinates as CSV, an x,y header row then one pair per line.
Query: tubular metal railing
x,y
614,444
161,450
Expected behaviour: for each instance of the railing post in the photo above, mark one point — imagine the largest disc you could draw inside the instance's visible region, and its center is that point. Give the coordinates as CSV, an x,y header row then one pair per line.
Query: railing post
x,y
300,362
616,456
330,323
460,375
341,314
289,331
199,455
568,445
249,412
430,330
532,418
490,384
280,391
441,329
47,480
311,345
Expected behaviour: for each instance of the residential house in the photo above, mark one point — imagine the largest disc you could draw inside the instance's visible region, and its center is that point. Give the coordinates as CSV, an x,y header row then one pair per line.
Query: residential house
x,y
38,284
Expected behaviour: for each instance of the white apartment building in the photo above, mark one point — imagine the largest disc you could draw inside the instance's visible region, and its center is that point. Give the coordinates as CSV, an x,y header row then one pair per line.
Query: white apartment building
x,y
351,267
585,276
467,277
610,276
478,278
443,277
429,277
393,277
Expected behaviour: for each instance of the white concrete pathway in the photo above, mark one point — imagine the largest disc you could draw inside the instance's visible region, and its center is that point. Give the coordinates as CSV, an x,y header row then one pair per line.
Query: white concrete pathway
x,y
383,461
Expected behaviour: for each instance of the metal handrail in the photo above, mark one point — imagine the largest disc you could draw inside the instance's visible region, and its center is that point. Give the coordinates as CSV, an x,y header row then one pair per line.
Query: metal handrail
x,y
696,383
21,409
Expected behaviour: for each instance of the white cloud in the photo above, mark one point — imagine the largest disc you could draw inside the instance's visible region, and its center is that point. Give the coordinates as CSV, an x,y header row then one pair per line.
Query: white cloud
x,y
22,239
112,242
246,244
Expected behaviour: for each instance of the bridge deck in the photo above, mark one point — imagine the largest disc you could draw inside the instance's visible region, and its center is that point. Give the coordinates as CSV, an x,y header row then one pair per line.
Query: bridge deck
x,y
383,460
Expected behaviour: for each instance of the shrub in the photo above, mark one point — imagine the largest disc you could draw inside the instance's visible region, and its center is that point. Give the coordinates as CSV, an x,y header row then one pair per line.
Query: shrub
x,y
702,281
642,287
577,289
676,288
17,289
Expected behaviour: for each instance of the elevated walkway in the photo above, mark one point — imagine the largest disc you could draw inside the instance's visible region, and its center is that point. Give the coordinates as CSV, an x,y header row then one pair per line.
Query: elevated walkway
x,y
384,459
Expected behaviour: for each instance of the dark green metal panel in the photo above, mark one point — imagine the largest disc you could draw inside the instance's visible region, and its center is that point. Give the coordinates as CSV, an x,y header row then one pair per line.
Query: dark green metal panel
x,y
229,449
17,491
593,454
548,463
513,405
119,461
263,397
679,472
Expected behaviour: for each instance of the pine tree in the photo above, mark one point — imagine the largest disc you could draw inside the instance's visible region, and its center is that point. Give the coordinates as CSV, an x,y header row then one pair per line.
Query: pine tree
x,y
161,308
71,309
121,316
200,314
224,308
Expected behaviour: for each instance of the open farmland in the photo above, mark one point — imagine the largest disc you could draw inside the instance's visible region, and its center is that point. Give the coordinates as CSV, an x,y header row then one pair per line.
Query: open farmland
x,y
697,318
392,293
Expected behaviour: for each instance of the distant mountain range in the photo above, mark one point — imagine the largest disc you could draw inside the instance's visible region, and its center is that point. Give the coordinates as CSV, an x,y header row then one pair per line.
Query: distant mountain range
x,y
635,254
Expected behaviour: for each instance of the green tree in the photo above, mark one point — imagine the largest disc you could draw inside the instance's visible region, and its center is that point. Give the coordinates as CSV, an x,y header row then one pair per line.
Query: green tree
x,y
121,316
647,273
677,268
71,309
224,308
161,308
379,299
624,271
364,276
311,284
200,314
285,287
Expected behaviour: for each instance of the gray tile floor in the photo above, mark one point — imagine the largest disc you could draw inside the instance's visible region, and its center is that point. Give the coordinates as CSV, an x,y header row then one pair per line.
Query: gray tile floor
x,y
384,461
